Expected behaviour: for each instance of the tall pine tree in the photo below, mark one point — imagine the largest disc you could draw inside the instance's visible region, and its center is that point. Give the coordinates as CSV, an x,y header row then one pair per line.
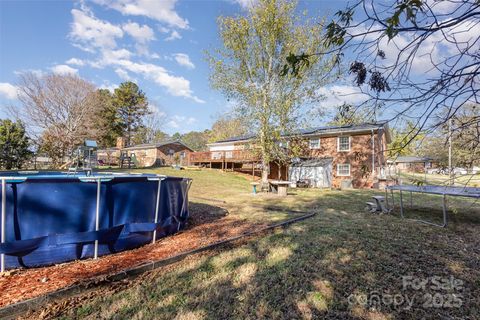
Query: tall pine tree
x,y
131,106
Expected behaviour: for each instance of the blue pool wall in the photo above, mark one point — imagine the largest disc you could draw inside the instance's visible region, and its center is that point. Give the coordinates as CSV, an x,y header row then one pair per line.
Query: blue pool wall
x,y
50,217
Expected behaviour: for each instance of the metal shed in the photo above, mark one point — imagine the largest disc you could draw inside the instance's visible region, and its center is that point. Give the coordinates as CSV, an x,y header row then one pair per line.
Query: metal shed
x,y
318,172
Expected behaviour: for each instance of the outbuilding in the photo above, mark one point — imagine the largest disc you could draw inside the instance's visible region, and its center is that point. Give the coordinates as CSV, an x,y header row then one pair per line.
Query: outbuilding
x,y
316,172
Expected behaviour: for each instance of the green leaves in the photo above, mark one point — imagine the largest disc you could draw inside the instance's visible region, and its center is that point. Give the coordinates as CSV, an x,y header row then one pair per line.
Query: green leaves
x,y
295,63
131,105
335,34
269,41
14,145
408,7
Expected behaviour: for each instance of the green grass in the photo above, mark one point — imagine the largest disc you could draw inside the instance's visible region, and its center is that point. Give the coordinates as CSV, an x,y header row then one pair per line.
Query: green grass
x,y
471,180
309,269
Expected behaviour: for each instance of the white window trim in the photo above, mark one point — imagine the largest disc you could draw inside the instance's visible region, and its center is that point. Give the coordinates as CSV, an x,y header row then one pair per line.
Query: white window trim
x,y
310,144
343,175
349,143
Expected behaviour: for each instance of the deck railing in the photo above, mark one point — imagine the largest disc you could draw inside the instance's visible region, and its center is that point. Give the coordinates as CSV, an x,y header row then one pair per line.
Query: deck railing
x,y
218,156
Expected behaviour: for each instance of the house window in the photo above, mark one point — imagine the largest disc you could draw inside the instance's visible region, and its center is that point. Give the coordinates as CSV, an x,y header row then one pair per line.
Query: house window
x,y
182,154
343,143
343,170
315,143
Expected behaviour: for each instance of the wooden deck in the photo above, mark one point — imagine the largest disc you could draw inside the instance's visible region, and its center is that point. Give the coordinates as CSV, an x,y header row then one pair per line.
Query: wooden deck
x,y
236,156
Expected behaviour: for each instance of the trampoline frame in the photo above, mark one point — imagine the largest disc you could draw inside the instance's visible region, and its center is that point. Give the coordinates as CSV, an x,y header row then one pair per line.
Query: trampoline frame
x,y
447,191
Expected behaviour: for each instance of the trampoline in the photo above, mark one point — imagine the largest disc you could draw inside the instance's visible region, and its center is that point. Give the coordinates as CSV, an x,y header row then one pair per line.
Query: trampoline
x,y
54,217
444,191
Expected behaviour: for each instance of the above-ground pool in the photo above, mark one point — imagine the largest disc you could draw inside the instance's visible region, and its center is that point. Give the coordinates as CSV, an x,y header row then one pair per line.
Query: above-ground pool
x,y
53,217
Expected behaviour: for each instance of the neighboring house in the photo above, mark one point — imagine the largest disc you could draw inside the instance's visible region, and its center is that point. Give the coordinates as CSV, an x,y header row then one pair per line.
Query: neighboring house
x,y
351,155
411,164
147,155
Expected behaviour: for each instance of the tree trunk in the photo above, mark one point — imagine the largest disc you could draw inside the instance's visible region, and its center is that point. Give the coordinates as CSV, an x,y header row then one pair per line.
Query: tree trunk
x,y
265,170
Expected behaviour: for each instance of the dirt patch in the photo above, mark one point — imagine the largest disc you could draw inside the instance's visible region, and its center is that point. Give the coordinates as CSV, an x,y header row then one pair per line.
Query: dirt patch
x,y
208,225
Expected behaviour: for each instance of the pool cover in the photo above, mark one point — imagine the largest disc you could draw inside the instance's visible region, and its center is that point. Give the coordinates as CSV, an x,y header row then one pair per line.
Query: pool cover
x,y
52,217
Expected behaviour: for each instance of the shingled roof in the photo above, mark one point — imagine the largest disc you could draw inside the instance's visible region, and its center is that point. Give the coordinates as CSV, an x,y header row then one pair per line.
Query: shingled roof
x,y
364,127
156,145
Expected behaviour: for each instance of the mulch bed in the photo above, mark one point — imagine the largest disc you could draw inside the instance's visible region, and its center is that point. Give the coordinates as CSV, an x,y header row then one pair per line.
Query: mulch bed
x,y
205,227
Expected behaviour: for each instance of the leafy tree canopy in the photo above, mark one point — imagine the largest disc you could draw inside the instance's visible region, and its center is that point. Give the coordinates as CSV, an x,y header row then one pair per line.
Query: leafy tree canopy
x,y
14,145
247,70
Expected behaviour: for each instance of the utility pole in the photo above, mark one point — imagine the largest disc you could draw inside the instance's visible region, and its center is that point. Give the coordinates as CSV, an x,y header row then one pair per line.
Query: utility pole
x,y
450,169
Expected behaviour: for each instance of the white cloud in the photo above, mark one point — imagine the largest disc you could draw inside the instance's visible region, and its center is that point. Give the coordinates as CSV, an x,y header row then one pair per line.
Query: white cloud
x,y
246,4
37,72
141,34
8,90
123,74
75,62
337,95
109,86
90,31
184,60
162,11
173,124
100,38
173,36
177,121
435,51
112,56
175,85
163,29
63,69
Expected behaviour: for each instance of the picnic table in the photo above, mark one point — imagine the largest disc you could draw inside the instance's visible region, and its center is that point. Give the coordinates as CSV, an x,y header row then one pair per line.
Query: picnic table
x,y
279,186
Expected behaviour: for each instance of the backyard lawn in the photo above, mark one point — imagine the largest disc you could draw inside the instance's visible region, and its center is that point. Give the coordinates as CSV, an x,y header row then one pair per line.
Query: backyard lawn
x,y
343,263
471,180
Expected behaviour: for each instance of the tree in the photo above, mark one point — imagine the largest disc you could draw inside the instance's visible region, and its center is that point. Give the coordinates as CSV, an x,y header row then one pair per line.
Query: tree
x,y
227,126
247,70
348,115
466,136
150,130
131,106
418,57
405,141
177,136
14,145
435,146
106,119
465,132
61,108
196,140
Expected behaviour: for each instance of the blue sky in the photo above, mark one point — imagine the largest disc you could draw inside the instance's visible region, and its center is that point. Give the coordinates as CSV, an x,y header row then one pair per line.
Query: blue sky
x,y
158,44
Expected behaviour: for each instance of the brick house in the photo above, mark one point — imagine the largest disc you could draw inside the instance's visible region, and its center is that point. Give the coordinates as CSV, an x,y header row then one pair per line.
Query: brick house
x,y
335,156
412,164
147,155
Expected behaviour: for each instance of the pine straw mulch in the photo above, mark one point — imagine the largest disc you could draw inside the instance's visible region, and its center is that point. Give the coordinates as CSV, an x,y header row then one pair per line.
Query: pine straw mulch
x,y
207,225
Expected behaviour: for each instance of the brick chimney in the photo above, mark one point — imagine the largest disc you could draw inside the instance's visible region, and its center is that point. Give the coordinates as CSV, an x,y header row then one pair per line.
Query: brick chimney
x,y
120,142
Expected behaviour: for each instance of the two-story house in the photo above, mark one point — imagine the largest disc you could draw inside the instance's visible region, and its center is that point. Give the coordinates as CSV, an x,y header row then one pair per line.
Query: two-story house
x,y
335,156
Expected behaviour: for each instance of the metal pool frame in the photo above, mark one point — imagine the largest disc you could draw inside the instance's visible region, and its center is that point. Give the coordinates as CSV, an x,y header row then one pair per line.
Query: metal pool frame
x,y
88,179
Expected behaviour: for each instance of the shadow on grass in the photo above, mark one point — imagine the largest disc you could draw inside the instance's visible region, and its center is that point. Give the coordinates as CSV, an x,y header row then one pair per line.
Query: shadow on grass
x,y
318,269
